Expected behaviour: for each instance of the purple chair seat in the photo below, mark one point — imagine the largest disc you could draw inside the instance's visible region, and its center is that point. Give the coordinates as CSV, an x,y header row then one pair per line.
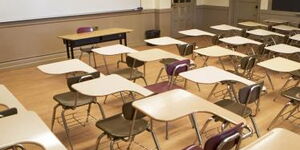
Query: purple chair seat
x,y
162,87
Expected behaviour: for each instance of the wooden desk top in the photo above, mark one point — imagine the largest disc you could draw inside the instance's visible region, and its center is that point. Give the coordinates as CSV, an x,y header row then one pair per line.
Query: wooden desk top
x,y
238,40
285,28
252,24
225,27
9,100
295,37
164,41
262,32
109,85
27,127
196,32
67,66
276,139
103,32
275,21
218,51
178,103
280,64
283,48
154,55
114,50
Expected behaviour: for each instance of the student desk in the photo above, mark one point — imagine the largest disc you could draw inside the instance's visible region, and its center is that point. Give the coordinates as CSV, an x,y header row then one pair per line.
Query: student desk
x,y
27,127
196,32
104,35
279,64
235,41
161,41
265,34
178,103
67,66
117,49
283,49
295,37
217,51
212,75
275,21
251,24
225,27
285,28
276,139
7,99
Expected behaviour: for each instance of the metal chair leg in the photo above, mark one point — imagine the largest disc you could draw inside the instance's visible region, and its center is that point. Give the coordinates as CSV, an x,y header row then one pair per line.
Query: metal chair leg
x,y
105,98
212,91
122,97
101,110
255,127
206,124
88,113
53,116
80,55
282,88
130,143
145,81
66,128
154,135
292,111
167,130
90,59
279,114
99,140
112,142
94,59
159,74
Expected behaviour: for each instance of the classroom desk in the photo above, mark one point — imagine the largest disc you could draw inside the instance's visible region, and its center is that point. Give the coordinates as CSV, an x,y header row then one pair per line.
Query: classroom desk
x,y
67,66
283,49
285,28
27,127
161,41
251,24
178,103
109,85
7,99
265,34
104,35
279,64
225,27
116,49
196,32
217,51
276,139
275,21
212,75
236,41
295,37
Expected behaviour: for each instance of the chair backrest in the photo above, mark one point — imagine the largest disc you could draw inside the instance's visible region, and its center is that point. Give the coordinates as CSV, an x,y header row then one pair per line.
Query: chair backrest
x,y
247,63
177,67
261,49
133,63
8,112
128,112
225,140
186,49
251,93
85,77
85,29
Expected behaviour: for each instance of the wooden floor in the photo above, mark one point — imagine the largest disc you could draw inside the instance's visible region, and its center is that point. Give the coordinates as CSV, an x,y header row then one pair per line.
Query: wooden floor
x,y
35,91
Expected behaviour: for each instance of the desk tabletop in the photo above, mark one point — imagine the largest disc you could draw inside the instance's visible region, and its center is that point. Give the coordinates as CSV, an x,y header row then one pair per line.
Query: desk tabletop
x,y
280,64
196,32
295,37
103,32
9,100
27,127
178,103
99,86
252,24
113,50
218,51
285,28
154,55
238,40
283,48
164,41
67,66
276,139
262,32
275,21
225,27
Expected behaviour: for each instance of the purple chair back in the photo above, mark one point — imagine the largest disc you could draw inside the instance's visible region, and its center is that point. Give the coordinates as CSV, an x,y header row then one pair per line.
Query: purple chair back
x,y
177,67
214,142
85,29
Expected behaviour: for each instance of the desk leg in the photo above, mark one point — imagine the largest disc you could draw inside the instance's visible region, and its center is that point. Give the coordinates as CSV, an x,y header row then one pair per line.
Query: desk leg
x,y
154,135
125,39
269,78
67,48
72,51
205,61
196,128
221,62
105,63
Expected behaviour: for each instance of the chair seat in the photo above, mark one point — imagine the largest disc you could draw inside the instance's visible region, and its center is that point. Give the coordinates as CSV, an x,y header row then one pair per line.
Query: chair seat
x,y
234,107
292,93
296,74
126,72
119,127
167,61
193,147
162,87
67,99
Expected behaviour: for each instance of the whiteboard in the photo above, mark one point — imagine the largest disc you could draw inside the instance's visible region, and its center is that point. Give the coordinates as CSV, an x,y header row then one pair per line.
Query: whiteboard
x,y
19,10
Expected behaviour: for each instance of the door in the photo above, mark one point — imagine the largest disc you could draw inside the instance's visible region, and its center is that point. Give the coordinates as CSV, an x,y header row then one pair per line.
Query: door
x,y
244,10
182,16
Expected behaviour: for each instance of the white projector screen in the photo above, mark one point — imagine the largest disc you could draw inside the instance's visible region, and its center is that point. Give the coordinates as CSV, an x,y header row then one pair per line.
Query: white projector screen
x,y
19,10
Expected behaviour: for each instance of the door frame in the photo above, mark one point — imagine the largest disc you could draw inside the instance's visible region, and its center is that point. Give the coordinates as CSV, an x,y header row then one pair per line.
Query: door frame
x,y
233,4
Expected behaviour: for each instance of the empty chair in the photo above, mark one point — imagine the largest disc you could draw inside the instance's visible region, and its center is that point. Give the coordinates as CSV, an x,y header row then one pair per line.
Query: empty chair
x,y
246,95
124,126
132,72
245,69
88,49
71,100
183,50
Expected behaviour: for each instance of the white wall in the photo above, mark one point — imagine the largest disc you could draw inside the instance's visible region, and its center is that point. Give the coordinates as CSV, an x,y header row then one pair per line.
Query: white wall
x,y
264,4
156,4
224,3
148,4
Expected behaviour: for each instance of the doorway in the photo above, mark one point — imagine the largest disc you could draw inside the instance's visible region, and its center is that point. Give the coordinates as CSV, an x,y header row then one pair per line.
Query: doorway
x,y
243,10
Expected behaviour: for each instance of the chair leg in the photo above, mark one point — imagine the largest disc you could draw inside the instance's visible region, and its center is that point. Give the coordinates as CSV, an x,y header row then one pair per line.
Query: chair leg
x,y
292,111
80,55
90,59
255,127
279,114
282,88
112,142
154,137
145,81
224,126
167,130
53,116
66,128
105,98
130,143
94,59
99,140
101,110
212,91
206,124
122,97
159,74
88,113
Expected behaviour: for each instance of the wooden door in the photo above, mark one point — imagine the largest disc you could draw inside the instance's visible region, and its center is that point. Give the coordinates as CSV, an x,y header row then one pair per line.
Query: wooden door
x,y
244,10
182,16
